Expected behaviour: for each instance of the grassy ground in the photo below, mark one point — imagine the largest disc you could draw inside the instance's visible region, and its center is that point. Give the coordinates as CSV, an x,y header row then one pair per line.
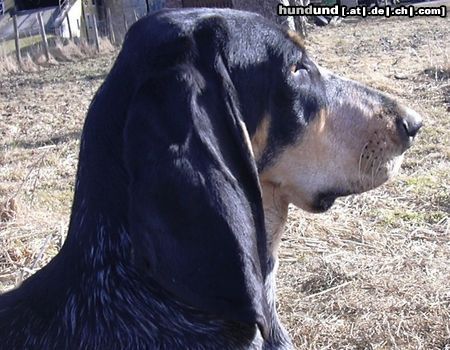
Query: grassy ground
x,y
373,273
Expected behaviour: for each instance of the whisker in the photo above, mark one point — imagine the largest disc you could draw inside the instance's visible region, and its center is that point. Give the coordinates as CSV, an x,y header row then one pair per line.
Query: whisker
x,y
369,164
379,166
373,173
361,155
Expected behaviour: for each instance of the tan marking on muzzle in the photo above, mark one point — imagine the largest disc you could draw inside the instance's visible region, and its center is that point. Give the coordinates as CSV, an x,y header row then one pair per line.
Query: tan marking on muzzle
x,y
310,152
260,138
312,144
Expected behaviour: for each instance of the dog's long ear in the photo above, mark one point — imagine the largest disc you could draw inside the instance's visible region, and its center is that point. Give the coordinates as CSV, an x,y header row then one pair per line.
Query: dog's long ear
x,y
196,214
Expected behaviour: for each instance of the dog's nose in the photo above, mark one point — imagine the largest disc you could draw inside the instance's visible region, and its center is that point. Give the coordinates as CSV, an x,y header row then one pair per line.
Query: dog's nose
x,y
409,125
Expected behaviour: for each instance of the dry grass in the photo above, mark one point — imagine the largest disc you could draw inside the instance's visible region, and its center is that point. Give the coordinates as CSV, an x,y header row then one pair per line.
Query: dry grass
x,y
373,273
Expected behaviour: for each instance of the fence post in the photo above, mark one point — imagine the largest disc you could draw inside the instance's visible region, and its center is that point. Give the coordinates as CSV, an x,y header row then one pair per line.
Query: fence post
x,y
97,44
86,26
44,35
69,27
16,40
110,26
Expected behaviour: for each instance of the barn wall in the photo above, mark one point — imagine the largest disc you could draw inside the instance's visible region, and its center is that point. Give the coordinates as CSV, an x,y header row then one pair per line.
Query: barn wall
x,y
7,5
75,19
267,8
173,3
124,13
208,3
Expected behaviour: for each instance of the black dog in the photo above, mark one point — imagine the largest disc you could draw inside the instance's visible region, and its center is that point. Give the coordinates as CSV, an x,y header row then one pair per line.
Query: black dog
x,y
209,124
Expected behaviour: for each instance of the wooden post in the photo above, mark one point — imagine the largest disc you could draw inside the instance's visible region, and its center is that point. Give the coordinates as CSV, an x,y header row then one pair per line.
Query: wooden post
x,y
16,41
69,27
43,35
110,26
97,43
86,25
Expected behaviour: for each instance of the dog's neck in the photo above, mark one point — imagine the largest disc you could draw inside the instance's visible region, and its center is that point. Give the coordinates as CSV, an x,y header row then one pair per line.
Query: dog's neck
x,y
275,214
274,204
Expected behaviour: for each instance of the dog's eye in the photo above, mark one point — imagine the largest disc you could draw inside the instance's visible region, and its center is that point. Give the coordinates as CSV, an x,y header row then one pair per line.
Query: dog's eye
x,y
300,72
298,67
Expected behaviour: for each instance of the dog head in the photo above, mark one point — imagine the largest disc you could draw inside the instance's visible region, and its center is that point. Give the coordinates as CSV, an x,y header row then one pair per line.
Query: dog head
x,y
200,109
324,136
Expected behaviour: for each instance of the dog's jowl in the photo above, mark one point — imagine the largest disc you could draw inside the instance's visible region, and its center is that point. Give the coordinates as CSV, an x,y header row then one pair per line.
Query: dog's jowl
x,y
209,124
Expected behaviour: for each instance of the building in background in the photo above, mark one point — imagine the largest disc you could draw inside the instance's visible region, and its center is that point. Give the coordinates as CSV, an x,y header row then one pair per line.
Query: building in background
x,y
6,6
57,17
74,18
118,14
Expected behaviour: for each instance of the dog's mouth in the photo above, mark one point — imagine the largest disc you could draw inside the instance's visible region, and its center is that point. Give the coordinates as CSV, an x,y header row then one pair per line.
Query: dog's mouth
x,y
325,200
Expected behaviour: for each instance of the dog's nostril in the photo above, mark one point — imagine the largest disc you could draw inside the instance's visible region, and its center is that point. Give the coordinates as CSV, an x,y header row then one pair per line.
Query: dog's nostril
x,y
411,127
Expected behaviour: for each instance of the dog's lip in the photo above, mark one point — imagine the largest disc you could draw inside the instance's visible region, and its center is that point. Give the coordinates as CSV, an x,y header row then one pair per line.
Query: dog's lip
x,y
324,200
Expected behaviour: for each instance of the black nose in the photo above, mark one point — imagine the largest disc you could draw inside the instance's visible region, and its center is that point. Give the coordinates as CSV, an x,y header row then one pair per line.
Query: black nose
x,y
409,125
